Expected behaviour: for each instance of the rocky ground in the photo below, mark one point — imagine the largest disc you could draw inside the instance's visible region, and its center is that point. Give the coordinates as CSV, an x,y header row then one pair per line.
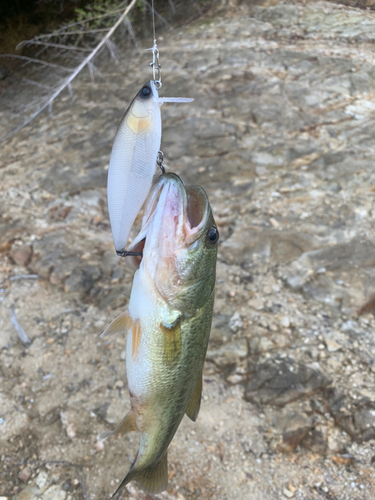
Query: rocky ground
x,y
281,135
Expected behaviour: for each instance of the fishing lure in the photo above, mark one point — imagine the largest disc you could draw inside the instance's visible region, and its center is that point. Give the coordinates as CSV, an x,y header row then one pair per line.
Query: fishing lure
x,y
133,160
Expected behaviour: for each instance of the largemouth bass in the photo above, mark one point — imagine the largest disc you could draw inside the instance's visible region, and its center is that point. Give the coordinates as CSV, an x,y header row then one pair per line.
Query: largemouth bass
x,y
133,160
168,322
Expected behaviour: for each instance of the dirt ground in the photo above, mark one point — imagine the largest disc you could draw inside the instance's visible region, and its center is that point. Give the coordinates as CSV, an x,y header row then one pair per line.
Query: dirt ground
x,y
281,135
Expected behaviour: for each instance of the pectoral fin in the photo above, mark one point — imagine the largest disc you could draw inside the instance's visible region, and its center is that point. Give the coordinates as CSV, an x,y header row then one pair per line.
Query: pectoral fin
x,y
172,339
118,325
136,337
127,424
195,402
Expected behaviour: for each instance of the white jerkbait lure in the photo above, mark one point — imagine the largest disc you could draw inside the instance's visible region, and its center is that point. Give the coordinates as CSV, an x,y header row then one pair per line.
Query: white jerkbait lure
x,y
133,160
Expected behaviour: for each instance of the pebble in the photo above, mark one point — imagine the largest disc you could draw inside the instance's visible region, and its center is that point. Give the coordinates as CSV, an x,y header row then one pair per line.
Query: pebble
x,y
21,254
24,475
332,346
256,304
235,322
54,492
71,431
285,322
287,493
41,480
99,445
235,379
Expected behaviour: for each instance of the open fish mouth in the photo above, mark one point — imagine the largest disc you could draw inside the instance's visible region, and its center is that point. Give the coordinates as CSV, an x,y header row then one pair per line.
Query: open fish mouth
x,y
174,218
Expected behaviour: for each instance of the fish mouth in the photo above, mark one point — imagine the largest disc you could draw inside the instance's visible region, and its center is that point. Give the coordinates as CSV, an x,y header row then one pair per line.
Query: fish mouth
x,y
174,218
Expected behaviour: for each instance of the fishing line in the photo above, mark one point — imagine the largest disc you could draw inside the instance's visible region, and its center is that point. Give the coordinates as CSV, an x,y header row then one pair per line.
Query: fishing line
x,y
156,74
156,68
153,19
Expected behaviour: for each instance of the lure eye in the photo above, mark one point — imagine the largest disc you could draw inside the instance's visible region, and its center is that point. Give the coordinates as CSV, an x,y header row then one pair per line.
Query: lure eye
x,y
212,236
145,91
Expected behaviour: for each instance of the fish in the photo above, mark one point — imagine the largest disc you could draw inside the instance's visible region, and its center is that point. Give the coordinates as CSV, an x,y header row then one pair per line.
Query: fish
x,y
168,322
133,158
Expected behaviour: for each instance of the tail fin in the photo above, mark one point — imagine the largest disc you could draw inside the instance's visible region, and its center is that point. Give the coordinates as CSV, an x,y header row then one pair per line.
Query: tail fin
x,y
152,480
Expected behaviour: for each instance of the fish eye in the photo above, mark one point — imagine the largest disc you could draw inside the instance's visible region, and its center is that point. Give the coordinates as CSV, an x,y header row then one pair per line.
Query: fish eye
x,y
145,91
212,236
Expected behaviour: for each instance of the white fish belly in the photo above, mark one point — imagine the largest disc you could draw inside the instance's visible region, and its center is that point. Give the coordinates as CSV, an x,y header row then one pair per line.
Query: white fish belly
x,y
146,308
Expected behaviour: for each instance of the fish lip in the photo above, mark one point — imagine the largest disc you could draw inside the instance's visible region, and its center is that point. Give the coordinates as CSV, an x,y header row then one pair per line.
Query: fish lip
x,y
188,234
152,202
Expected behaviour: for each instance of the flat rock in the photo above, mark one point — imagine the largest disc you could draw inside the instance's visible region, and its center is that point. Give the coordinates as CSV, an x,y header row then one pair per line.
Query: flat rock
x,y
56,258
24,474
357,418
280,381
62,178
331,274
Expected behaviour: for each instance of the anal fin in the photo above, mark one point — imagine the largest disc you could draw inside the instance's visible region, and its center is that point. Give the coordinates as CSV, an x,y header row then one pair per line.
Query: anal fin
x,y
195,402
118,325
127,424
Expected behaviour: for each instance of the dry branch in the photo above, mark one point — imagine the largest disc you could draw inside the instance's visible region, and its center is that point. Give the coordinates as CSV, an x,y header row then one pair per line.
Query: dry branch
x,y
105,41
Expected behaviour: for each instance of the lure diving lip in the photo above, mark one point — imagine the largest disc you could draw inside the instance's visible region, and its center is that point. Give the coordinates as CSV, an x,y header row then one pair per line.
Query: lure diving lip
x,y
133,160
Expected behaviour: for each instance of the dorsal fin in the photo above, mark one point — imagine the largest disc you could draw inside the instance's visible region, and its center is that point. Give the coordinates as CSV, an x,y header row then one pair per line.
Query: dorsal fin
x,y
118,325
195,402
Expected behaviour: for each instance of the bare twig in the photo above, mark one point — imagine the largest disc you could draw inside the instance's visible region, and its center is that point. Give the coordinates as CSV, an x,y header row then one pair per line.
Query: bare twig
x,y
63,462
24,277
79,32
77,70
112,49
82,480
21,332
63,313
37,84
129,27
84,21
50,44
323,493
39,61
